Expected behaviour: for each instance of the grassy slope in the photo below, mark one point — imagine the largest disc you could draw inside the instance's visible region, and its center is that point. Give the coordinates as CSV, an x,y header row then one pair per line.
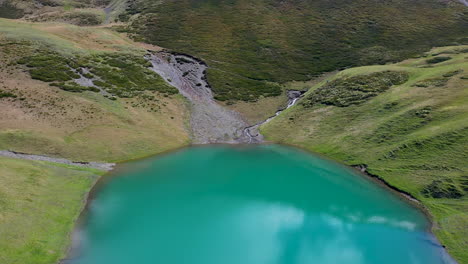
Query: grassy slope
x,y
39,203
388,133
81,126
81,12
247,42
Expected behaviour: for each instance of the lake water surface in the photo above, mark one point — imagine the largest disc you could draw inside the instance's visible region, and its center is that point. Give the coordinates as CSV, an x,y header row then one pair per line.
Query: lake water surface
x,y
264,204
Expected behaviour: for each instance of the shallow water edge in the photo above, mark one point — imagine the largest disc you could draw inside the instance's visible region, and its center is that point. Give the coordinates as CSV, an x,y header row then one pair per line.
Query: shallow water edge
x,y
103,180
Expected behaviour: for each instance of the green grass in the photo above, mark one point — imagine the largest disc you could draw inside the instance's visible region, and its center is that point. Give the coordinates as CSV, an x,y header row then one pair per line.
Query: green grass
x,y
39,203
413,136
120,74
249,45
354,90
76,122
438,59
7,95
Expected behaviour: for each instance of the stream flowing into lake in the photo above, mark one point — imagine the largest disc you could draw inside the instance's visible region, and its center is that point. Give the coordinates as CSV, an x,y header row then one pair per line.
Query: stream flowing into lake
x,y
255,204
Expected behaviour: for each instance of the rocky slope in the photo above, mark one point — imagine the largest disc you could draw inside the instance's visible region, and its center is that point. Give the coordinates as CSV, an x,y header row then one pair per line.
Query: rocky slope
x,y
210,122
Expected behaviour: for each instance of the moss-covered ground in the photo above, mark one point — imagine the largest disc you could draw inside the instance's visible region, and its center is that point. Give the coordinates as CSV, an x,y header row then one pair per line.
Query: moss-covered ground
x,y
413,136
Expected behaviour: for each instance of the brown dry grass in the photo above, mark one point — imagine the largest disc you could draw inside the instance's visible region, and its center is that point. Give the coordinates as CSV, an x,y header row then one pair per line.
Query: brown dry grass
x,y
47,120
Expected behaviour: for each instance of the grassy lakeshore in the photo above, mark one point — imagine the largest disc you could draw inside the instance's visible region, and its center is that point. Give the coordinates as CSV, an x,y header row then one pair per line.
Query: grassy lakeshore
x,y
39,204
40,201
414,134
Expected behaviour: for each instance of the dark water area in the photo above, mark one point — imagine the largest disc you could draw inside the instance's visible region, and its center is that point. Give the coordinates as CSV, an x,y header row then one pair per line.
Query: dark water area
x,y
250,205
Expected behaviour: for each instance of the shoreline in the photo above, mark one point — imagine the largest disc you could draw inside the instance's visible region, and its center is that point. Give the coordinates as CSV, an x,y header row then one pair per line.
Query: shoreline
x,y
401,194
111,171
72,247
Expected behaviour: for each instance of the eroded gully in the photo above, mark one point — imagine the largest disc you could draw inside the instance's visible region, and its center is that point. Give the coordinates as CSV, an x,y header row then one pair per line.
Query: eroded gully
x,y
210,122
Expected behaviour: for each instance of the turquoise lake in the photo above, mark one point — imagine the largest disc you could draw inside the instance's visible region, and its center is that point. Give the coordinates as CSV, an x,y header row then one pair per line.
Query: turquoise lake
x,y
264,204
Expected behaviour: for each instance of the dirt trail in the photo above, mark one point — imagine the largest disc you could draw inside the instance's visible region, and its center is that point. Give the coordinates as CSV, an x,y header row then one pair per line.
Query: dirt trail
x,y
210,122
94,165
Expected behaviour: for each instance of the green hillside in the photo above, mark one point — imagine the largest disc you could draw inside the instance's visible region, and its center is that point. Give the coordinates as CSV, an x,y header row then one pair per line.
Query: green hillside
x,y
132,115
250,44
128,103
405,118
407,122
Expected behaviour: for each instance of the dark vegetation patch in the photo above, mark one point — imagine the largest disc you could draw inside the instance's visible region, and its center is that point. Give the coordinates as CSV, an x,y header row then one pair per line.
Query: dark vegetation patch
x,y
4,94
453,51
438,59
74,87
402,125
348,91
122,75
82,18
429,147
253,43
8,10
464,183
227,86
53,10
127,75
49,67
436,81
452,73
443,189
75,17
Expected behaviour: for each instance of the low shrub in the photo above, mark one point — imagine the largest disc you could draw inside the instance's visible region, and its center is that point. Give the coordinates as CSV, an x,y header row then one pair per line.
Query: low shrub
x,y
438,59
452,73
347,91
442,189
122,75
437,82
7,95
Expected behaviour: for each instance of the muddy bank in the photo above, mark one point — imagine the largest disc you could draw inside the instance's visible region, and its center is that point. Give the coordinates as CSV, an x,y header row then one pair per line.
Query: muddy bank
x,y
93,165
210,122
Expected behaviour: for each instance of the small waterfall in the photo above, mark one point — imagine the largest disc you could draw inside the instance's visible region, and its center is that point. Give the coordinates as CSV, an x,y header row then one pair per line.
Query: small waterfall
x,y
210,122
252,132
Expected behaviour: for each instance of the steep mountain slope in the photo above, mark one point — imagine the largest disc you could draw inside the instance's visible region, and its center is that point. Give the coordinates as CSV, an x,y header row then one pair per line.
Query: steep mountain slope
x,y
47,113
406,123
84,12
250,44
